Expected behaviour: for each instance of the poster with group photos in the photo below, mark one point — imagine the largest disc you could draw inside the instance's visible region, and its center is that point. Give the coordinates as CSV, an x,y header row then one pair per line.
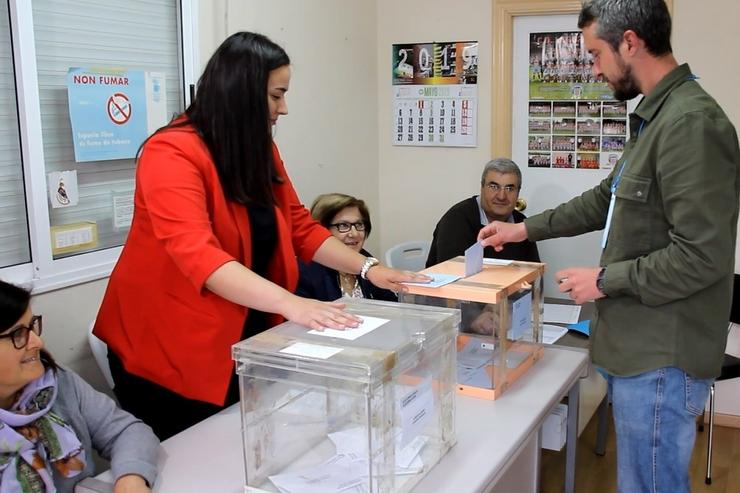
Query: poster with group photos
x,y
573,119
435,94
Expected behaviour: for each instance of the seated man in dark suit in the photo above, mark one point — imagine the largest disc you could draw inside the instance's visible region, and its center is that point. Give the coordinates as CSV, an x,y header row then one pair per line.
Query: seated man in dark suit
x,y
458,229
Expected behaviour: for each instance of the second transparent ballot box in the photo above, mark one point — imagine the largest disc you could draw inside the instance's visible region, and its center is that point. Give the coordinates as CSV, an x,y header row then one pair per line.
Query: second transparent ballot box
x,y
501,328
366,410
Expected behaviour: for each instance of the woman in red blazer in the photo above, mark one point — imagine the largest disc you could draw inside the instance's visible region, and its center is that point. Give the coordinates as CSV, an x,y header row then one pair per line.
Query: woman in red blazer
x,y
211,255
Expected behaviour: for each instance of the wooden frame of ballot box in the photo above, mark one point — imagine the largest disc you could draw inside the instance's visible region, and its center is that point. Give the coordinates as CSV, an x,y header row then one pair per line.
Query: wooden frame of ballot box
x,y
503,293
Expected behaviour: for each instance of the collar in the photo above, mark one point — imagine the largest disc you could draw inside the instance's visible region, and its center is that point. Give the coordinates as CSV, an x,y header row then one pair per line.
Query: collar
x,y
651,104
483,218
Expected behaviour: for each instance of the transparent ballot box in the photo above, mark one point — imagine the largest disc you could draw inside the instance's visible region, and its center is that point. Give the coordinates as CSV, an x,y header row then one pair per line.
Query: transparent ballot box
x,y
500,331
365,410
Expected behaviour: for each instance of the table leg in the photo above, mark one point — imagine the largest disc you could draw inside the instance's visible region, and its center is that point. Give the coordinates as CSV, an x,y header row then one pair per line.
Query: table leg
x,y
572,438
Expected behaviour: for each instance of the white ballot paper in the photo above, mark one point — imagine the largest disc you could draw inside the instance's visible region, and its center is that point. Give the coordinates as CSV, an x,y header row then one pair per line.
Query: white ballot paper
x,y
368,324
561,314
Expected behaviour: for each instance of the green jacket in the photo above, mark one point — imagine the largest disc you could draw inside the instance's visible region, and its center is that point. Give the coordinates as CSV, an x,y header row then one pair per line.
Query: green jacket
x,y
671,247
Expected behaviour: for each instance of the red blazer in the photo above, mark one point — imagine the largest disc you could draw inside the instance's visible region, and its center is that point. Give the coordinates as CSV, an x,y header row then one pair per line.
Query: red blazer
x,y
157,314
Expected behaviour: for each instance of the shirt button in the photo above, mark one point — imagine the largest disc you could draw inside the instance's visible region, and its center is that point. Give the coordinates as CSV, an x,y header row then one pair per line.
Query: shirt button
x,y
638,193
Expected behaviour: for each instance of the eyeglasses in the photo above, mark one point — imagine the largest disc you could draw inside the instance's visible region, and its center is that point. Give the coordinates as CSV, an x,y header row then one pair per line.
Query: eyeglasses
x,y
19,335
345,227
495,187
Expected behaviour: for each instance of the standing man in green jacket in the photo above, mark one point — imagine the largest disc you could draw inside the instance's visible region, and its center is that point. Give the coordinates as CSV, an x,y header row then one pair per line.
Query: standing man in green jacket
x,y
669,212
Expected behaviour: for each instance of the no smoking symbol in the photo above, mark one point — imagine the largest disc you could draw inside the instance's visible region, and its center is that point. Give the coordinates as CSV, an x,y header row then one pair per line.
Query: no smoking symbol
x,y
119,108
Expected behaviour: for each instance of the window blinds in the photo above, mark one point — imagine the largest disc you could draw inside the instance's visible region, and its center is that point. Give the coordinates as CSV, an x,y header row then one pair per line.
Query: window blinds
x,y
14,241
133,35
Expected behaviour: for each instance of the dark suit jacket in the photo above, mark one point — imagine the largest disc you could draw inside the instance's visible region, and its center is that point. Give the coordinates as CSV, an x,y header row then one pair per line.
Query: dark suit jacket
x,y
322,283
458,229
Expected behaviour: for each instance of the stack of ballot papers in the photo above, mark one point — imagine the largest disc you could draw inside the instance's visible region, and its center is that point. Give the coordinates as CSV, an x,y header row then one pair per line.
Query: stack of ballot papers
x,y
347,471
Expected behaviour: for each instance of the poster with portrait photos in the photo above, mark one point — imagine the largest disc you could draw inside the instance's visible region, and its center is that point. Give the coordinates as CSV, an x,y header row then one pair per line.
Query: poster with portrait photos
x,y
435,94
573,120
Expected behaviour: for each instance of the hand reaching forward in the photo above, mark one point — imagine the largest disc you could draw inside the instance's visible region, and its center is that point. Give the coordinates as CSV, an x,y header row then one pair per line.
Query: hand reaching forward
x,y
498,233
387,278
318,315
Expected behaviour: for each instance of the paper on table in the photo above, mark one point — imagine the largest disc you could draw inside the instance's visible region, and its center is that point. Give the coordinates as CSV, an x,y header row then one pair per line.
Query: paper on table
x,y
339,473
473,259
312,350
368,325
551,333
561,314
438,280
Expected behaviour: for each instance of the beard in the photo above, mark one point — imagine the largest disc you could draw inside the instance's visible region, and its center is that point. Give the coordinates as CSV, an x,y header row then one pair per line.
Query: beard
x,y
625,87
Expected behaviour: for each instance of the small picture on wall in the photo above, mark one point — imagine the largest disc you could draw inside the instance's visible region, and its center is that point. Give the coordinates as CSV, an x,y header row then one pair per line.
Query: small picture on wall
x,y
535,160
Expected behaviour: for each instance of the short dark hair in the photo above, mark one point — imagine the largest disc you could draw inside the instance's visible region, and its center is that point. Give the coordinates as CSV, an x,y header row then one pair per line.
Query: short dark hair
x,y
501,165
649,19
328,205
14,301
231,114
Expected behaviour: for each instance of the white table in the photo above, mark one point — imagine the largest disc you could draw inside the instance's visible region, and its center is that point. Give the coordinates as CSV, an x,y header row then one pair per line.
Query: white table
x,y
498,444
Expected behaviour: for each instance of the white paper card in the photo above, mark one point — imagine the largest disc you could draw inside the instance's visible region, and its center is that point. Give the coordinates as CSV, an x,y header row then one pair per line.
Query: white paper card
x,y
123,210
311,350
438,280
417,408
368,324
473,259
63,191
556,313
521,317
551,333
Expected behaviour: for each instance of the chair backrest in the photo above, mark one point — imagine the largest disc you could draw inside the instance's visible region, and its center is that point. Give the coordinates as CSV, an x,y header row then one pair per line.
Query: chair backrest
x,y
100,353
410,255
735,310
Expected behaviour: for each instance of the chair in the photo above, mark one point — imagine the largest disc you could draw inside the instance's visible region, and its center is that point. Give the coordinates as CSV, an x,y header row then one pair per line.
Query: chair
x,y
730,369
100,353
410,255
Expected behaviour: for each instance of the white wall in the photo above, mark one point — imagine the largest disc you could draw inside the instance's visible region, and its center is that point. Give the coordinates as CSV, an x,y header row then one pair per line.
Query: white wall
x,y
417,184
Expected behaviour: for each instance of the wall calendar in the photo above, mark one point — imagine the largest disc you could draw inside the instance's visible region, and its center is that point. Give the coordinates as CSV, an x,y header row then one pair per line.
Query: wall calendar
x,y
435,94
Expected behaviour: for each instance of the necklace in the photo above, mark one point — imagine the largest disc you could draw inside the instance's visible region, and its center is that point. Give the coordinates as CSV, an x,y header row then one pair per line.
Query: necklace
x,y
349,285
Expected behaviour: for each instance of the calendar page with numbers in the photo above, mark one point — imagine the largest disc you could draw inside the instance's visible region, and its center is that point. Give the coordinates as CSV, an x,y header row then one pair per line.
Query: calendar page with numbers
x,y
435,94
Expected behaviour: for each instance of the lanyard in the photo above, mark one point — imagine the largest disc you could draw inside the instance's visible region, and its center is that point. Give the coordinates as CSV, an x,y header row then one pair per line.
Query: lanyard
x,y
615,184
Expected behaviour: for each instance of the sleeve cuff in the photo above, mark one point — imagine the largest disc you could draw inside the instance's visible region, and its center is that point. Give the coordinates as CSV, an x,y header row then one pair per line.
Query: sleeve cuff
x,y
138,467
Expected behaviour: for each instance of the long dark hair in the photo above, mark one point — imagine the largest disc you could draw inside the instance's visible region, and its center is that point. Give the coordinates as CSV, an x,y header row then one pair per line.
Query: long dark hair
x,y
14,301
231,114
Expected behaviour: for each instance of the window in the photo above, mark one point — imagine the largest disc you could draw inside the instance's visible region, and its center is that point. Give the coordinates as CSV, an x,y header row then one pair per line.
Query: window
x,y
48,38
15,247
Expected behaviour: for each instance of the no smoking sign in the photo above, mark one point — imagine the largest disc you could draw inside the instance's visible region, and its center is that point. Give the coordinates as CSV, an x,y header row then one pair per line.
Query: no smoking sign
x,y
119,108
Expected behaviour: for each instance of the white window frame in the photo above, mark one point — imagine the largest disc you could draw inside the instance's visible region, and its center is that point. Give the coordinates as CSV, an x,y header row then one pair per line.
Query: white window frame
x,y
44,273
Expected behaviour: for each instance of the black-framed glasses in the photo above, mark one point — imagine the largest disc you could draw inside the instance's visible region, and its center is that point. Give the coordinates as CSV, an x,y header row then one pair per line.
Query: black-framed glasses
x,y
496,188
19,334
344,227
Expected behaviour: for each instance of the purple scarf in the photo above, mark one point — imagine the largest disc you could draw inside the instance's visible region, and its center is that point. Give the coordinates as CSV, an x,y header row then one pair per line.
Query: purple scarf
x,y
33,440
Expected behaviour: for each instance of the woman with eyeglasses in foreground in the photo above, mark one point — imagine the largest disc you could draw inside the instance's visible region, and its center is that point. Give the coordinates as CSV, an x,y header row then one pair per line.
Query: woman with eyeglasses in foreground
x,y
51,419
348,219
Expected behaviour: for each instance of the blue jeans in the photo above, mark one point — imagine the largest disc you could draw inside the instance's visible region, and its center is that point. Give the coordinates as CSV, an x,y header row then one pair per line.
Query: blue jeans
x,y
655,422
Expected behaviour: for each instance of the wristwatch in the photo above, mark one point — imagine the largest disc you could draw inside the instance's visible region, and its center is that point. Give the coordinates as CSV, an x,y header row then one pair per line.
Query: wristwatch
x,y
600,280
369,262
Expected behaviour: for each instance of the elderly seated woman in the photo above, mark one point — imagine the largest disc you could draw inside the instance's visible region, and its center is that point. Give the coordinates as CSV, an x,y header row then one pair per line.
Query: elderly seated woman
x,y
51,419
348,220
